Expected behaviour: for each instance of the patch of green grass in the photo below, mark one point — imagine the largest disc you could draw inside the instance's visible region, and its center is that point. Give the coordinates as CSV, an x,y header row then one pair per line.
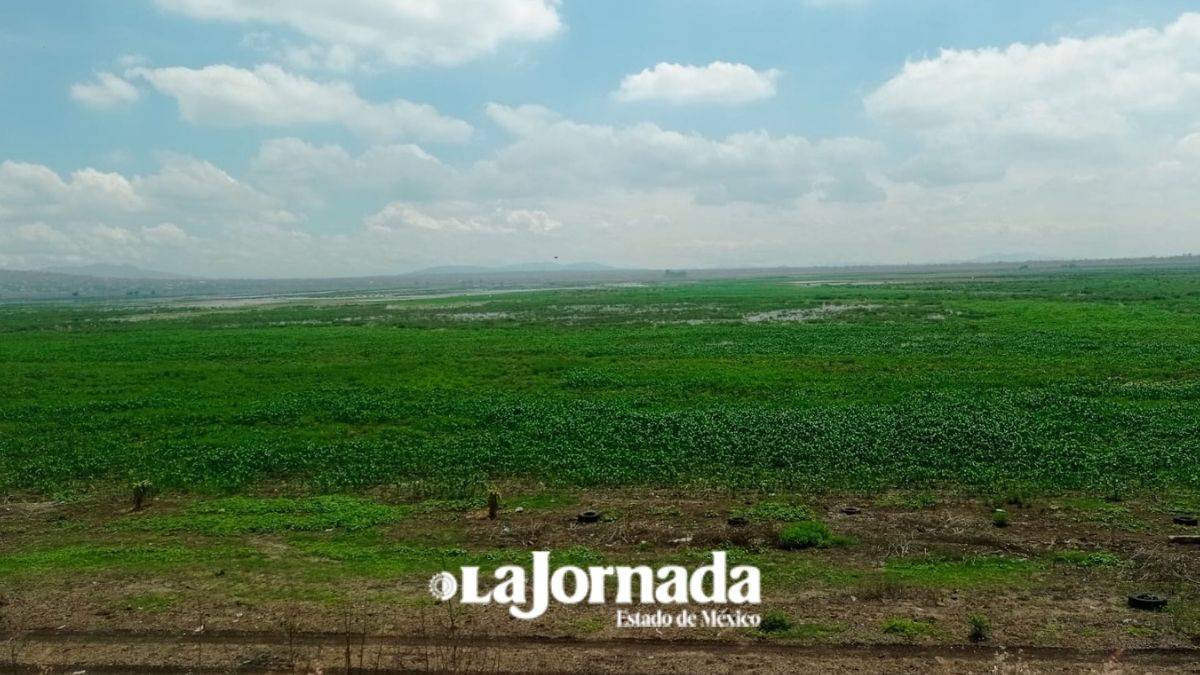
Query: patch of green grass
x,y
151,603
246,515
1087,558
811,631
588,625
669,511
785,571
1095,510
131,558
774,622
909,629
775,511
805,534
965,572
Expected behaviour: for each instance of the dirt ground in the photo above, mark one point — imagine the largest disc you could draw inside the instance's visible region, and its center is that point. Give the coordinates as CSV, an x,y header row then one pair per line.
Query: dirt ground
x,y
894,594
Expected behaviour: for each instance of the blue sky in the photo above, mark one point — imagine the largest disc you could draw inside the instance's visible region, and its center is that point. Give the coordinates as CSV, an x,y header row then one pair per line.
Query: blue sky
x,y
230,137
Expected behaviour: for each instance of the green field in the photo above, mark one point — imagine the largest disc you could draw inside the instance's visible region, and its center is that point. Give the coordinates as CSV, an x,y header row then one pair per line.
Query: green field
x,y
1066,380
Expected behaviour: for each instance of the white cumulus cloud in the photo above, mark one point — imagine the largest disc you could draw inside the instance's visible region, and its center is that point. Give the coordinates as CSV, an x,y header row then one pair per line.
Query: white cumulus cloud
x,y
461,217
105,92
718,83
552,155
396,32
270,96
982,110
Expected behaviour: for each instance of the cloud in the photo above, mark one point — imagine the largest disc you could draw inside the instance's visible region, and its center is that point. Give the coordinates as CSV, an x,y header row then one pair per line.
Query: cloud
x,y
717,83
185,188
34,190
299,169
552,155
105,92
395,32
268,95
460,217
1088,100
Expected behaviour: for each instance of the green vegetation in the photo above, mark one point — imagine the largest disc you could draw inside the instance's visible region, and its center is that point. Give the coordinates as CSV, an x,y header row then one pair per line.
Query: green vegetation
x,y
965,572
1087,558
1079,379
1096,510
151,603
775,511
806,534
909,629
775,621
980,628
241,515
779,624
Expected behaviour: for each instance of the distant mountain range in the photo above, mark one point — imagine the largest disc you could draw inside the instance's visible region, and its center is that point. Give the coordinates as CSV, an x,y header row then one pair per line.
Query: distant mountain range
x,y
519,267
112,272
1011,258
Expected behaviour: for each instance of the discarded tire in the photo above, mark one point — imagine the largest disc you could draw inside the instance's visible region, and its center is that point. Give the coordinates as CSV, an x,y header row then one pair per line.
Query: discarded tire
x,y
1190,521
588,517
1147,601
737,521
851,510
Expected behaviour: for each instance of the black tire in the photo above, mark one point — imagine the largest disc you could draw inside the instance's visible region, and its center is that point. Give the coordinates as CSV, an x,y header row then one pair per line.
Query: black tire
x,y
588,517
1147,601
851,510
737,521
1189,521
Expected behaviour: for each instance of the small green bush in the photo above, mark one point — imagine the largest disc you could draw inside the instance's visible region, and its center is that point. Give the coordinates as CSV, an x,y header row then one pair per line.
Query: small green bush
x,y
1086,558
775,621
981,628
907,628
1000,518
805,534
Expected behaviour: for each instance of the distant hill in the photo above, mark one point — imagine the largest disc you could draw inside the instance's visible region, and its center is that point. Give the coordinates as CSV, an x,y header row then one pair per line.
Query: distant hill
x,y
112,272
1011,258
519,267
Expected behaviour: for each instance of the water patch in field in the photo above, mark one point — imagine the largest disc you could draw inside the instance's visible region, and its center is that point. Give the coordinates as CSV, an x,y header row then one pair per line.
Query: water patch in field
x,y
806,314
476,316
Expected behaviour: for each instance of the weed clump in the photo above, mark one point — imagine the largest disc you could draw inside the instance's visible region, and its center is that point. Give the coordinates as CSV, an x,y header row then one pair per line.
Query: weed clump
x,y
981,628
805,534
775,621
908,628
1087,558
1000,518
